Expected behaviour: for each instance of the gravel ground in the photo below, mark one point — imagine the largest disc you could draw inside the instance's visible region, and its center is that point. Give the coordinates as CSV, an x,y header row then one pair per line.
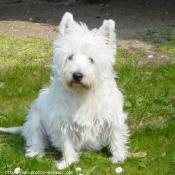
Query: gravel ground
x,y
40,18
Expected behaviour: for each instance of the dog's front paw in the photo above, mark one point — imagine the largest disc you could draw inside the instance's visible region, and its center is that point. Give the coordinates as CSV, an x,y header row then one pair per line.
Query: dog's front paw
x,y
62,165
32,153
115,159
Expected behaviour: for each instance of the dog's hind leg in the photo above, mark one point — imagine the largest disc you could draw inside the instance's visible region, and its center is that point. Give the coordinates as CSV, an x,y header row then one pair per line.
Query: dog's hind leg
x,y
36,141
34,133
69,155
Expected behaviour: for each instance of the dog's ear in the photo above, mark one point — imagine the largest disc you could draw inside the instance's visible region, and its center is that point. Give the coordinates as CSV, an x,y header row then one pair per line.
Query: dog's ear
x,y
108,31
65,23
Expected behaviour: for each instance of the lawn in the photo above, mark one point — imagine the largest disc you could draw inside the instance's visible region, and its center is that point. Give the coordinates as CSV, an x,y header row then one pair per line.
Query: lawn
x,y
149,101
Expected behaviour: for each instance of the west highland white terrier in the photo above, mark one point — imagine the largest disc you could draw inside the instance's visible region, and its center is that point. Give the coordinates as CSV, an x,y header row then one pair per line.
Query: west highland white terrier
x,y
82,109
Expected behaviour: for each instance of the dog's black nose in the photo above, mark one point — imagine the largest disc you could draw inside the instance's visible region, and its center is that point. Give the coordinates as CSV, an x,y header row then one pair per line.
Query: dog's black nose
x,y
77,76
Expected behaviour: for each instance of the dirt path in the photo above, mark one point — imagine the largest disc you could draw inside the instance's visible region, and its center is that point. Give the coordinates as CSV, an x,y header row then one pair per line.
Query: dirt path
x,y
39,18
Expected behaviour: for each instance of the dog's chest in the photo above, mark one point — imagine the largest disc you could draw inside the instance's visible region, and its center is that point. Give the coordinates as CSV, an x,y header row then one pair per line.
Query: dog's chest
x,y
91,137
83,120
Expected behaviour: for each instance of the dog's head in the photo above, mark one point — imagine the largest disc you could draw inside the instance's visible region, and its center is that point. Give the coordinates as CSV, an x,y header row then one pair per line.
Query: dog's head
x,y
84,58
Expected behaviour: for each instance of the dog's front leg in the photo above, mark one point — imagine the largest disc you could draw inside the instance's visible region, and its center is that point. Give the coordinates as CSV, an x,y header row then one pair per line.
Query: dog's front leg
x,y
118,143
69,155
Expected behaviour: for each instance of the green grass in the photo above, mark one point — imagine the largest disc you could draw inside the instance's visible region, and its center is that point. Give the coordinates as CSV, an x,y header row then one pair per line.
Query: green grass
x,y
149,101
168,47
15,52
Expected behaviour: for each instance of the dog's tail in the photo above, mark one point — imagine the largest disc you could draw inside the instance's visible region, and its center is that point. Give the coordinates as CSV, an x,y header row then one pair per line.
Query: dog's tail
x,y
12,130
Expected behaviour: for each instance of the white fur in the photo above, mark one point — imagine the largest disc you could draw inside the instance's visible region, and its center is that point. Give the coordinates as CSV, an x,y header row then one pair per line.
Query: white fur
x,y
87,115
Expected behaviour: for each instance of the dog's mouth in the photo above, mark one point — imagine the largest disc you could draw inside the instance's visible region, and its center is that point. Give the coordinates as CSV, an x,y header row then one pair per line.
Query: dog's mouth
x,y
76,82
77,85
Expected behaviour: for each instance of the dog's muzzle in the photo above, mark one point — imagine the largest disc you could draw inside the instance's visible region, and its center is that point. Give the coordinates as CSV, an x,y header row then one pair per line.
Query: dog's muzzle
x,y
78,82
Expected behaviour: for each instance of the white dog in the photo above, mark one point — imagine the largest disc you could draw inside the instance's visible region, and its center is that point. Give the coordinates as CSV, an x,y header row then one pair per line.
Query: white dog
x,y
82,109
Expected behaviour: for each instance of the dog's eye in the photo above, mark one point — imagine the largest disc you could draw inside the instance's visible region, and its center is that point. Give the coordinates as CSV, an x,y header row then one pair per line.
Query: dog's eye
x,y
92,61
71,57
